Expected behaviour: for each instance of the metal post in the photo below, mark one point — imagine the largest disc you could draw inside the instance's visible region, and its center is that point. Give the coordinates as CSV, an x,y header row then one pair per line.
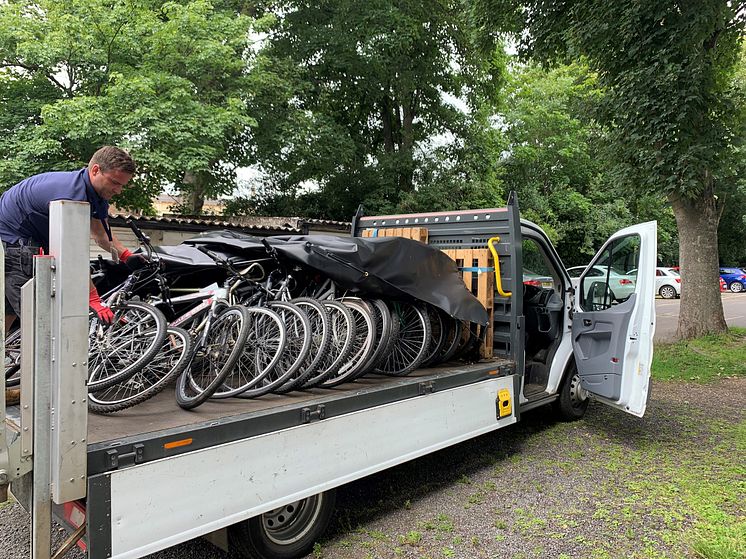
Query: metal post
x,y
69,234
38,328
4,461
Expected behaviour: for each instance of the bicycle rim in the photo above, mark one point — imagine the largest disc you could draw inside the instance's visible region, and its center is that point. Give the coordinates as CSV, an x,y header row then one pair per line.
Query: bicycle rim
x,y
320,338
213,360
118,351
341,335
363,344
294,352
266,338
412,343
170,360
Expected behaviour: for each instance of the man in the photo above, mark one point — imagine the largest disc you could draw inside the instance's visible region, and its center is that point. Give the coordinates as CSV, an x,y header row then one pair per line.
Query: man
x,y
24,222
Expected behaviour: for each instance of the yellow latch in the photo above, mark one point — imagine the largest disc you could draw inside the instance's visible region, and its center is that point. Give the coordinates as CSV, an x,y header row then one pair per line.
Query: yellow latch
x,y
504,405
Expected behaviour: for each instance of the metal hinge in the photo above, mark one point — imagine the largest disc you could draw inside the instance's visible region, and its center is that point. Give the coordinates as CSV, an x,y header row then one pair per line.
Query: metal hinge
x,y
137,455
426,387
307,414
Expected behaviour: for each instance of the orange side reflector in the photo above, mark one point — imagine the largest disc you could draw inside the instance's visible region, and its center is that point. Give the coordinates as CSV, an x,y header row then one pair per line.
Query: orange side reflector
x,y
492,372
177,444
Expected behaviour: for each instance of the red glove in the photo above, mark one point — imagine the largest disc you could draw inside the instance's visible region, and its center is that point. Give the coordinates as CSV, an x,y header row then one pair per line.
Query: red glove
x,y
133,261
104,313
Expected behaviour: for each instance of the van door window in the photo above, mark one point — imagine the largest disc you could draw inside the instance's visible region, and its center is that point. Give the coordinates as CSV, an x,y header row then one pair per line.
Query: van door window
x,y
608,280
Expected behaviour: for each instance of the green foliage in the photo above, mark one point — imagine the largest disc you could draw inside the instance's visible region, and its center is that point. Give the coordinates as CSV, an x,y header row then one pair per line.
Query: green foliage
x,y
702,360
354,99
163,79
668,72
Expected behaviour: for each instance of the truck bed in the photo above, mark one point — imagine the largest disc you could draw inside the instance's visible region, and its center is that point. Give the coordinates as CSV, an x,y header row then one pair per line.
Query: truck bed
x,y
159,427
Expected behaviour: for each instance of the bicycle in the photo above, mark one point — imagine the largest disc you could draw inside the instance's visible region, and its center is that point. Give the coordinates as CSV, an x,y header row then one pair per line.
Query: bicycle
x,y
221,329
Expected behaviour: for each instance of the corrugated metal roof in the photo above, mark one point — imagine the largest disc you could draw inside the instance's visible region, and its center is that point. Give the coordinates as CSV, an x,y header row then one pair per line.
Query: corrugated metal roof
x,y
260,223
191,223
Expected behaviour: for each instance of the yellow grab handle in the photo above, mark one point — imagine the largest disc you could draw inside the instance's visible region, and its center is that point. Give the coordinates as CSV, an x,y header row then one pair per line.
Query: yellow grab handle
x,y
497,267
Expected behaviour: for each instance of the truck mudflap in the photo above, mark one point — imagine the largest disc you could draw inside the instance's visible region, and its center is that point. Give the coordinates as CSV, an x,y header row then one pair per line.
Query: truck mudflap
x,y
147,507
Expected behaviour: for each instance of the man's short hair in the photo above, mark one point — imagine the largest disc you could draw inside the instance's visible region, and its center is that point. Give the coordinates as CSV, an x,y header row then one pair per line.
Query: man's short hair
x,y
111,158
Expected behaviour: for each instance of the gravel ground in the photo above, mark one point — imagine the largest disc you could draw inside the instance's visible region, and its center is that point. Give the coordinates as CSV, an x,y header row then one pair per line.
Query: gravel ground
x,y
610,485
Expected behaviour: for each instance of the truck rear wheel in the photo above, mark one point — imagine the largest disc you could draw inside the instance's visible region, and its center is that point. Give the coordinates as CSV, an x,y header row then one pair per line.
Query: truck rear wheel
x,y
287,532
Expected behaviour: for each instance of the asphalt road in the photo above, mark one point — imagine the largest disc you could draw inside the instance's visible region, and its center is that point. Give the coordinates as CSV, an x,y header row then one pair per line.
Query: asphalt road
x,y
667,314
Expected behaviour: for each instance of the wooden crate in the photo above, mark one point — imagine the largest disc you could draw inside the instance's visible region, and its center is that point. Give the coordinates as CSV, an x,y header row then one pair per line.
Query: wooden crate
x,y
478,273
415,233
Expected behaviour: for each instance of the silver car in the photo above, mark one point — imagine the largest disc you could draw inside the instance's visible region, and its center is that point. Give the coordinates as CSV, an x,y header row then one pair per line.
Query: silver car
x,y
621,285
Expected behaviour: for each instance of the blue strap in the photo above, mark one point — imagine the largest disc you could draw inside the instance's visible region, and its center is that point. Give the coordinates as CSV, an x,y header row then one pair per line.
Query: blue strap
x,y
375,233
476,269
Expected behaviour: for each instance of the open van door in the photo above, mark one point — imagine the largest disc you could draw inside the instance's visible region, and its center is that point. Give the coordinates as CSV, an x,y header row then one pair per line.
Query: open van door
x,y
614,319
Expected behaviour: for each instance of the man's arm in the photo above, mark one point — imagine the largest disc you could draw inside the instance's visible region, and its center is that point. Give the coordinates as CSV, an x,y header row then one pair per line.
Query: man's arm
x,y
99,235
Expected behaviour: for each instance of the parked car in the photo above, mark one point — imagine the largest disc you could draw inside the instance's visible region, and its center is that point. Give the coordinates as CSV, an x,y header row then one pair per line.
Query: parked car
x,y
621,285
537,280
723,285
667,282
735,278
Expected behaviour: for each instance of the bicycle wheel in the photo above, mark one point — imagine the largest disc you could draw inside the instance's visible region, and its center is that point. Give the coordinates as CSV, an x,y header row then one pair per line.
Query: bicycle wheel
x,y
412,343
453,339
320,338
362,346
213,357
13,359
342,334
117,351
438,335
168,363
262,351
387,331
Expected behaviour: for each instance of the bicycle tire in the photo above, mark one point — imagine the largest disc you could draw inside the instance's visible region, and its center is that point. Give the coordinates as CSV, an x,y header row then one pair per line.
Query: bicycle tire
x,y
412,343
342,333
438,335
262,351
167,364
296,348
363,345
110,360
210,365
320,339
13,359
453,340
387,331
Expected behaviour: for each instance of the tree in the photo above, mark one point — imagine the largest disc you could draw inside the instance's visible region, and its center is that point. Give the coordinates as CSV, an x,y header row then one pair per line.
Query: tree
x,y
351,98
559,160
164,79
671,107
733,222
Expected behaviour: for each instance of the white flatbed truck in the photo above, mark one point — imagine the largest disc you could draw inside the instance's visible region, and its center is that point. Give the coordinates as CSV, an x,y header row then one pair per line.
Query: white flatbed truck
x,y
264,471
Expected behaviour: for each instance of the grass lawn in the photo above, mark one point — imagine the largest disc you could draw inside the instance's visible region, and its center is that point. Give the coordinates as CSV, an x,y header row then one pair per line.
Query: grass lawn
x,y
720,530
702,360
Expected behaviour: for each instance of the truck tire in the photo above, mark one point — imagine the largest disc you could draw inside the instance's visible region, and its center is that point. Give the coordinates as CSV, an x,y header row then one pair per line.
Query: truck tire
x,y
284,533
573,400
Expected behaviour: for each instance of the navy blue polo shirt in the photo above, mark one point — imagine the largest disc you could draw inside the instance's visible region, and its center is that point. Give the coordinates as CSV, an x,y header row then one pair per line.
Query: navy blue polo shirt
x,y
24,208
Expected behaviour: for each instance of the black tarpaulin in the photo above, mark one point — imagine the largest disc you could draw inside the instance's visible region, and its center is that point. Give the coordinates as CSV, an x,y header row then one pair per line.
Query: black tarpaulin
x,y
388,267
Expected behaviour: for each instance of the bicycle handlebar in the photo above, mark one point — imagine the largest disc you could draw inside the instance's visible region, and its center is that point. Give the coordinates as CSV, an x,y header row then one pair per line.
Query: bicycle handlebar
x,y
143,239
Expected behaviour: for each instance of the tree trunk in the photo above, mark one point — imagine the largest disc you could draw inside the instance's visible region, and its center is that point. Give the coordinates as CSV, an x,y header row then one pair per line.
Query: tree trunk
x,y
388,132
195,195
701,309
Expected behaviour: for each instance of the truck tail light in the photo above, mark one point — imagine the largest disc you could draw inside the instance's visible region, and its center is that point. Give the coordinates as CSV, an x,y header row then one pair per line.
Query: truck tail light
x,y
74,515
